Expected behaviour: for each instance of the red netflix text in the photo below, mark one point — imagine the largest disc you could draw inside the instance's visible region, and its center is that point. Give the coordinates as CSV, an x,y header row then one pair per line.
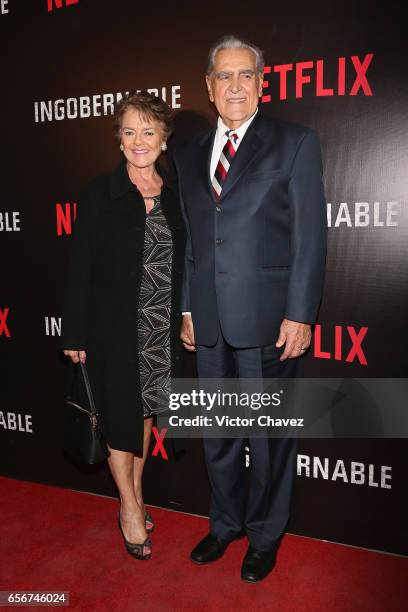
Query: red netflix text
x,y
344,345
3,323
311,74
159,447
51,4
65,217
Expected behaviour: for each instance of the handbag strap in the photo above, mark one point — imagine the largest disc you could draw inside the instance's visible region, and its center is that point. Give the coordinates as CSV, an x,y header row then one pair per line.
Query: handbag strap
x,y
88,388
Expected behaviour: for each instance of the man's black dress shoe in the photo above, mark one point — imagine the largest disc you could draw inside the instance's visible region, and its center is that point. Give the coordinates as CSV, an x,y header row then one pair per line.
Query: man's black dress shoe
x,y
257,564
208,550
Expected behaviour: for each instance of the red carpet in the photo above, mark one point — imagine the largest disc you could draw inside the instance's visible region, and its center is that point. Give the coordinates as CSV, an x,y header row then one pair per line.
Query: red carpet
x,y
56,539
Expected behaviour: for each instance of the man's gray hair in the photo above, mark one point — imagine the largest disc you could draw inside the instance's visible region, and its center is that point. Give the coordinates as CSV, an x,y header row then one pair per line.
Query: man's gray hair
x,y
233,42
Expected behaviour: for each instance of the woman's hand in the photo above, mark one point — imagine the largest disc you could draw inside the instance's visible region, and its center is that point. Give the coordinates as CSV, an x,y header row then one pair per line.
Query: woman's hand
x,y
76,356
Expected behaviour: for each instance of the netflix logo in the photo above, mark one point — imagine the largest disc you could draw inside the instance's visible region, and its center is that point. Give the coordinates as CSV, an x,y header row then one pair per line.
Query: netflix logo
x,y
4,329
65,215
340,344
310,76
52,4
159,450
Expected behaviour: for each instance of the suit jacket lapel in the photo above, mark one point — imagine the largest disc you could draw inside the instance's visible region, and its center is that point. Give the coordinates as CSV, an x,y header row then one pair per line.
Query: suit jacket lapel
x,y
247,152
204,163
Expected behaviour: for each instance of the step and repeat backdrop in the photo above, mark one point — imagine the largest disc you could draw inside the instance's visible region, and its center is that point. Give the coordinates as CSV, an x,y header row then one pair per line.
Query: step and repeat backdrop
x,y
340,69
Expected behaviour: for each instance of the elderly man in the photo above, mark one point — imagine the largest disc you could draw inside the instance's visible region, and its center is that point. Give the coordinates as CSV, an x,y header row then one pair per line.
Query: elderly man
x,y
255,210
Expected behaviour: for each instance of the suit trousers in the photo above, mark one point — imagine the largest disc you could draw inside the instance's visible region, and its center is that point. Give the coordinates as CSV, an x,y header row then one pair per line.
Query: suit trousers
x,y
263,513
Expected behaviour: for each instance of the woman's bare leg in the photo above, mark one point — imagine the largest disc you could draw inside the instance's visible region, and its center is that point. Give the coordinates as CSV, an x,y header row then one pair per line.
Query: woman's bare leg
x,y
138,464
131,514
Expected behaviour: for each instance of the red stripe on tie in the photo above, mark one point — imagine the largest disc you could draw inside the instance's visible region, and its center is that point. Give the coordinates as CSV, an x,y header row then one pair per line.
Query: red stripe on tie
x,y
221,170
231,149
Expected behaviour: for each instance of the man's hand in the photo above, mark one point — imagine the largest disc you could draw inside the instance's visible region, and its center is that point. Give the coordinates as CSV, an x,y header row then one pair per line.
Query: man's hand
x,y
296,336
187,333
76,356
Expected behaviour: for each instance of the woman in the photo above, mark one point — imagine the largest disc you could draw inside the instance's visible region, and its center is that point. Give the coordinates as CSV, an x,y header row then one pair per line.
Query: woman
x,y
121,310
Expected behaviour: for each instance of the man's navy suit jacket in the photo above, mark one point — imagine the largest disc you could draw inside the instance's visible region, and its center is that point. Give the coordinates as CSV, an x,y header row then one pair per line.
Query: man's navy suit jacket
x,y
258,254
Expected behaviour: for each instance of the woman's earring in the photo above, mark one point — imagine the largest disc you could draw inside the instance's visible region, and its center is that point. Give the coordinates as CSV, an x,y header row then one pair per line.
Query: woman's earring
x,y
121,147
164,146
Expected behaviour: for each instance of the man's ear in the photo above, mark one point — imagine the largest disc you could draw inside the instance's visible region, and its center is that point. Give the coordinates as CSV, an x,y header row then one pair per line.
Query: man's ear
x,y
260,92
209,87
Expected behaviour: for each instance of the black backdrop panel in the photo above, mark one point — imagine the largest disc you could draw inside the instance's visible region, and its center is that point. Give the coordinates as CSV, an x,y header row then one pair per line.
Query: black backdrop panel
x,y
339,68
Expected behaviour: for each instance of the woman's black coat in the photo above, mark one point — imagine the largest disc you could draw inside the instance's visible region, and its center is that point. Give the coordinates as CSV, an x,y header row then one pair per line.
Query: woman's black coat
x,y
100,313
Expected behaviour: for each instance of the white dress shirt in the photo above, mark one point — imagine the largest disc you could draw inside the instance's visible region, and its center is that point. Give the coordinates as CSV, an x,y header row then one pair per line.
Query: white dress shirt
x,y
219,142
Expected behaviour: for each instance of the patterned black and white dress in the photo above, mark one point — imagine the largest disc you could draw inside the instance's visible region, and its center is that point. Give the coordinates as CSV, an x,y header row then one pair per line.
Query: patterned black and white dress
x,y
154,312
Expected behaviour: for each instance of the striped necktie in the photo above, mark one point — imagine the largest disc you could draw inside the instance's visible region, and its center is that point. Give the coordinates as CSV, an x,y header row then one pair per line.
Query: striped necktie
x,y
226,157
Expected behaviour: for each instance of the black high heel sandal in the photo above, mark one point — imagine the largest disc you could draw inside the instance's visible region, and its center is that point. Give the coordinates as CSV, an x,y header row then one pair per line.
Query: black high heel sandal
x,y
136,550
149,525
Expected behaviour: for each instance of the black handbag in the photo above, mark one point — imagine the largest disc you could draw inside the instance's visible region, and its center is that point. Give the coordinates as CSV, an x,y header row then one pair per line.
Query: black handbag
x,y
83,438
